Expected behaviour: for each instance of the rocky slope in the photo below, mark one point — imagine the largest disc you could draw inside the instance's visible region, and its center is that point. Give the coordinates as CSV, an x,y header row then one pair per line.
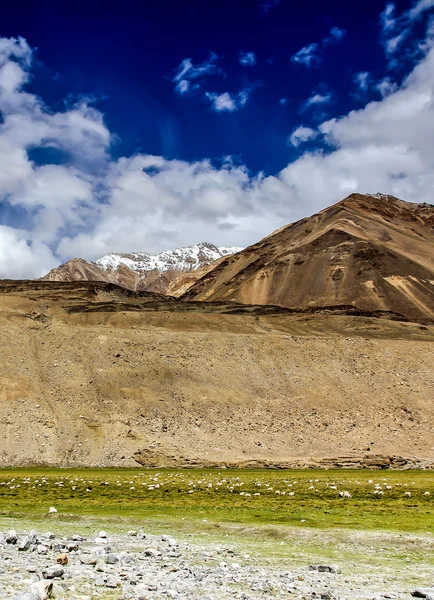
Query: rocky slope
x,y
371,251
94,374
141,271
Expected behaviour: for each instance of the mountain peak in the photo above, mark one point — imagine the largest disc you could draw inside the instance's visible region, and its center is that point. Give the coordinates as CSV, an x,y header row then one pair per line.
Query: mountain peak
x,y
372,251
179,259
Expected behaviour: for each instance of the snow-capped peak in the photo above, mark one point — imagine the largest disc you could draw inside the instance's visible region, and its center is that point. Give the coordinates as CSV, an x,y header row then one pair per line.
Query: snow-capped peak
x,y
180,259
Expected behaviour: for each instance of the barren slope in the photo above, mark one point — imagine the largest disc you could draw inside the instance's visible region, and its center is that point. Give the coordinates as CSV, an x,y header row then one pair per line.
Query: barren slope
x,y
374,252
91,374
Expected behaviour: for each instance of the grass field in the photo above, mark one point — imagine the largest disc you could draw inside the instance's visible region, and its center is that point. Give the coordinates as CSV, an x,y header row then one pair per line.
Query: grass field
x,y
372,500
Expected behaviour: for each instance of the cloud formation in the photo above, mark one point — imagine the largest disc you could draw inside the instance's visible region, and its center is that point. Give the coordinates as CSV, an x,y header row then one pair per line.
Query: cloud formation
x,y
222,102
187,72
247,59
317,99
308,55
335,35
92,204
302,134
395,29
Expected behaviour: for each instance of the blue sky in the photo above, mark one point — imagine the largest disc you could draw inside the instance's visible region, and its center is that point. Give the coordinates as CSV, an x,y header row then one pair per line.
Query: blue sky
x,y
149,125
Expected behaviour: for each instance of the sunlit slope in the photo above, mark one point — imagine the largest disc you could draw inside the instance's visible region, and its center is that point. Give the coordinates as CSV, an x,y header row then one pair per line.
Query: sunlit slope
x,y
92,374
374,252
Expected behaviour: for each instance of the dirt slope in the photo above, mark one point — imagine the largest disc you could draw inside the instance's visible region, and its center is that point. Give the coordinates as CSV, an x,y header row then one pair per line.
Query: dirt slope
x,y
92,374
374,252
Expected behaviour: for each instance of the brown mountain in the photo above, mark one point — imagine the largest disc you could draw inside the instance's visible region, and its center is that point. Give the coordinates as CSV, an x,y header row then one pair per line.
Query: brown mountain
x,y
375,252
140,271
78,269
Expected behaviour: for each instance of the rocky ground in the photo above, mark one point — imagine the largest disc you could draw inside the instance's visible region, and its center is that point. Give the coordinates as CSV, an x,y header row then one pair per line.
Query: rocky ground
x,y
36,565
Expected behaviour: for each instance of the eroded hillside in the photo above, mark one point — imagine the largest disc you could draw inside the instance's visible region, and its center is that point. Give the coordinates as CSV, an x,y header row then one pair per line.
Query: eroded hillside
x,y
91,374
374,252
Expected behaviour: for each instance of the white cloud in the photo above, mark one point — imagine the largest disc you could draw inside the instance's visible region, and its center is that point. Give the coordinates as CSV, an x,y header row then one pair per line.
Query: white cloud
x,y
335,35
387,17
187,72
183,86
395,29
150,203
308,55
247,59
386,87
302,134
420,7
20,258
227,102
362,80
317,99
222,102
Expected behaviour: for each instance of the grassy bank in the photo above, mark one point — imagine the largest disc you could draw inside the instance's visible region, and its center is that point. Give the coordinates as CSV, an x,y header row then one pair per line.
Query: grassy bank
x,y
390,500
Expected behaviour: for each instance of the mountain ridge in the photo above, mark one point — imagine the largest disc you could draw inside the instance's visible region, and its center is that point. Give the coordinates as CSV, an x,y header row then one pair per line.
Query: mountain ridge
x,y
141,271
372,251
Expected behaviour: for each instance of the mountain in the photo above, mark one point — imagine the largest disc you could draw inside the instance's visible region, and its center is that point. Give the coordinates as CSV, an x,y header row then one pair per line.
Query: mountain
x,y
141,271
375,252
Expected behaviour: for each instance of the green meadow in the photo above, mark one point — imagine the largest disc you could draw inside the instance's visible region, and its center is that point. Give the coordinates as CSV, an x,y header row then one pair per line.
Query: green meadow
x,y
356,499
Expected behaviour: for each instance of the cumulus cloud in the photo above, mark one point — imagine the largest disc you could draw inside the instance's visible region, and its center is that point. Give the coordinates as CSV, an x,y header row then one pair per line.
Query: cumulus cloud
x,y
227,102
150,203
20,258
308,55
247,59
302,134
222,102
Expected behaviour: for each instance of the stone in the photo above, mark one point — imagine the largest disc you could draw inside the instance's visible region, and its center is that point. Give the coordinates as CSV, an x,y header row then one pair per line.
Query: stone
x,y
111,559
40,590
11,537
33,537
72,546
325,568
52,510
87,559
52,572
24,544
98,551
151,552
422,592
112,582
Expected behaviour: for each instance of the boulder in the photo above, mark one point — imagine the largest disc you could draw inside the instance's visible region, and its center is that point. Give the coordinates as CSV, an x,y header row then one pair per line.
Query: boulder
x,y
53,572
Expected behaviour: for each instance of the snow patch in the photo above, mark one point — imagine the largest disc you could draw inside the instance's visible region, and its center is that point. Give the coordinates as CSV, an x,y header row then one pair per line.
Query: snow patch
x,y
181,259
